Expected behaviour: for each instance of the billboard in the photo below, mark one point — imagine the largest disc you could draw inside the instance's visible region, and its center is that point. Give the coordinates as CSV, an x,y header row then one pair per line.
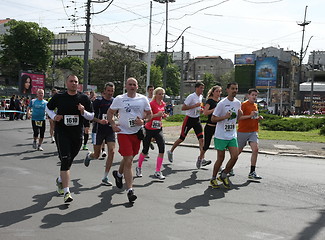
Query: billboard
x,y
266,72
245,59
29,83
276,96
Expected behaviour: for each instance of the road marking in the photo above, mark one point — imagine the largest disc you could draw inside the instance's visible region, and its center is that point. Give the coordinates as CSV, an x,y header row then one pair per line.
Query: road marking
x,y
286,147
262,235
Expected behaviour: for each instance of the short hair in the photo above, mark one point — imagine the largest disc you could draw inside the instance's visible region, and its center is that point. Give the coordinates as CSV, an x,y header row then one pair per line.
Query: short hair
x,y
199,84
71,75
150,86
252,90
231,83
109,84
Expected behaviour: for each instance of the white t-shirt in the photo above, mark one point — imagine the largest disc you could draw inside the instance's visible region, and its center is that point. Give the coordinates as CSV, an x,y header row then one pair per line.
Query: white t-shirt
x,y
191,100
226,129
129,109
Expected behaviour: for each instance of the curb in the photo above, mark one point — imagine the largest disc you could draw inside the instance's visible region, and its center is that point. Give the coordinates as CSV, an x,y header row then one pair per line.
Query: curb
x,y
260,152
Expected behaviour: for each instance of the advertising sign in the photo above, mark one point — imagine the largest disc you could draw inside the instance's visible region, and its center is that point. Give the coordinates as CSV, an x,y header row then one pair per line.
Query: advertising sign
x,y
245,59
276,95
266,72
31,82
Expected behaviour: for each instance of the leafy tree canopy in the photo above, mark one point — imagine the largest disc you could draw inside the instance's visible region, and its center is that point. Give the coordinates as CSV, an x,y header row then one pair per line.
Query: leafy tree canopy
x,y
25,46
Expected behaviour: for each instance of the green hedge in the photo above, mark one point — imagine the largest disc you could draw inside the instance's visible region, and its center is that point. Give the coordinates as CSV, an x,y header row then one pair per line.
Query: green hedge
x,y
180,118
292,124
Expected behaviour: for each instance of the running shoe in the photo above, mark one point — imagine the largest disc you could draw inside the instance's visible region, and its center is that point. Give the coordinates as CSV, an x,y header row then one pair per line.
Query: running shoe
x,y
225,181
34,145
206,162
85,148
152,146
39,148
60,187
118,180
53,139
231,173
131,196
170,156
159,175
104,154
253,175
138,172
87,159
106,182
67,197
214,183
198,163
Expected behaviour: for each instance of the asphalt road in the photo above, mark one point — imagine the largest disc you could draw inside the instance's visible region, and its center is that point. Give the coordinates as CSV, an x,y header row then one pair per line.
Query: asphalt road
x,y
288,203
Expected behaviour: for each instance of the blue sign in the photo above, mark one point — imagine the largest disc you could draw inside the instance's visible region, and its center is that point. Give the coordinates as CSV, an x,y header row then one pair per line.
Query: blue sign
x,y
266,72
245,59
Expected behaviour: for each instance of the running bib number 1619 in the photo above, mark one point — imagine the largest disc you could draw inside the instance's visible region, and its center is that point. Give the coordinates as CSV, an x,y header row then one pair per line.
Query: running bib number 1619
x,y
71,120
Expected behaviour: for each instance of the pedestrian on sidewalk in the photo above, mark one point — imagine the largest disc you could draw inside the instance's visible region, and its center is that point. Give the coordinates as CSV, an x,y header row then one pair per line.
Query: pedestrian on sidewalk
x,y
134,110
192,105
248,129
153,130
72,108
38,106
102,131
213,97
226,114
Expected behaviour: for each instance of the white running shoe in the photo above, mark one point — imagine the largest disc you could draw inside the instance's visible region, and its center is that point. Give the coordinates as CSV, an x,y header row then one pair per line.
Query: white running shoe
x,y
138,172
170,156
159,175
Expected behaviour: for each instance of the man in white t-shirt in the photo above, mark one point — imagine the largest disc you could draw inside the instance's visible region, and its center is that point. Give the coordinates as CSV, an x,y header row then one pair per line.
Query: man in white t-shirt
x,y
226,115
192,105
133,109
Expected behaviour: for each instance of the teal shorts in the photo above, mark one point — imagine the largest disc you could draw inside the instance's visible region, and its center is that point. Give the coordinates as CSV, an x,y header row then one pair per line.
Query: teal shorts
x,y
221,144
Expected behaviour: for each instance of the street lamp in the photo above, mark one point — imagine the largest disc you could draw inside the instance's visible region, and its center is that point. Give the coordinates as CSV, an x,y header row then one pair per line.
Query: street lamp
x,y
166,39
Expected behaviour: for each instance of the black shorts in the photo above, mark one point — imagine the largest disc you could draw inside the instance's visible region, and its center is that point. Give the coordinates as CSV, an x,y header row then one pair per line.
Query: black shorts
x,y
38,128
189,123
99,137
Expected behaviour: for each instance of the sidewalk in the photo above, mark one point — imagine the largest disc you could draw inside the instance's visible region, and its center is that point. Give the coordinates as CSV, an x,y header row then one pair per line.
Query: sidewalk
x,y
273,147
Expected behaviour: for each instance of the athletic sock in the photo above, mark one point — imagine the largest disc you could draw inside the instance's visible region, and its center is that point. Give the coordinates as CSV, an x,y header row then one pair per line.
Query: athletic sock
x,y
66,190
119,174
105,174
141,159
253,168
159,163
86,137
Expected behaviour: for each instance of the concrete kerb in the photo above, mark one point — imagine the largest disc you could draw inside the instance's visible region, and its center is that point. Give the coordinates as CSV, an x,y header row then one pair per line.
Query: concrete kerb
x,y
260,152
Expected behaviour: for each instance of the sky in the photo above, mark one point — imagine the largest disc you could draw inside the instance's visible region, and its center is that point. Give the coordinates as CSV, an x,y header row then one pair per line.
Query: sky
x,y
217,27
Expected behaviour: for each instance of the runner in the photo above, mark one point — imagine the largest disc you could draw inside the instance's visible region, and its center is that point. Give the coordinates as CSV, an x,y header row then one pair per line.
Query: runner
x,y
192,105
226,114
134,109
248,129
153,130
72,107
213,97
103,132
38,107
52,123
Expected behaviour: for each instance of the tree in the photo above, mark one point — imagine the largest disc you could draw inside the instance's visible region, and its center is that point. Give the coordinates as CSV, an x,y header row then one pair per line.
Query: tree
x,y
227,78
25,46
110,66
75,64
156,75
208,81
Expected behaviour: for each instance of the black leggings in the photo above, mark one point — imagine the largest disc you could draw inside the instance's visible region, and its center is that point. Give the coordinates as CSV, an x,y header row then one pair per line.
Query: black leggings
x,y
68,144
158,136
38,128
208,134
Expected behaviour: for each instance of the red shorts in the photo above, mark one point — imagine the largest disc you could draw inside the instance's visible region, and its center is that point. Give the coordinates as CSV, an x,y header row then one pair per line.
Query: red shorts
x,y
129,144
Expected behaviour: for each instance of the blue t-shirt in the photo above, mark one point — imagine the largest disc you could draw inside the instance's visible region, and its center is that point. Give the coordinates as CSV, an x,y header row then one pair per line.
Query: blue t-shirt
x,y
38,108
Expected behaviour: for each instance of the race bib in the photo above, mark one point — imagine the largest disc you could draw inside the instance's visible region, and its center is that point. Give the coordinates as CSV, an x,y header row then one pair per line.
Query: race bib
x,y
156,124
255,115
104,117
39,123
198,111
71,120
131,122
229,127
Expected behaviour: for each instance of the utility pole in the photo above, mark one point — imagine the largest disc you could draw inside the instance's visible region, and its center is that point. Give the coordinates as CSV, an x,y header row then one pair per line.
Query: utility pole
x,y
86,50
149,49
303,24
182,74
312,87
